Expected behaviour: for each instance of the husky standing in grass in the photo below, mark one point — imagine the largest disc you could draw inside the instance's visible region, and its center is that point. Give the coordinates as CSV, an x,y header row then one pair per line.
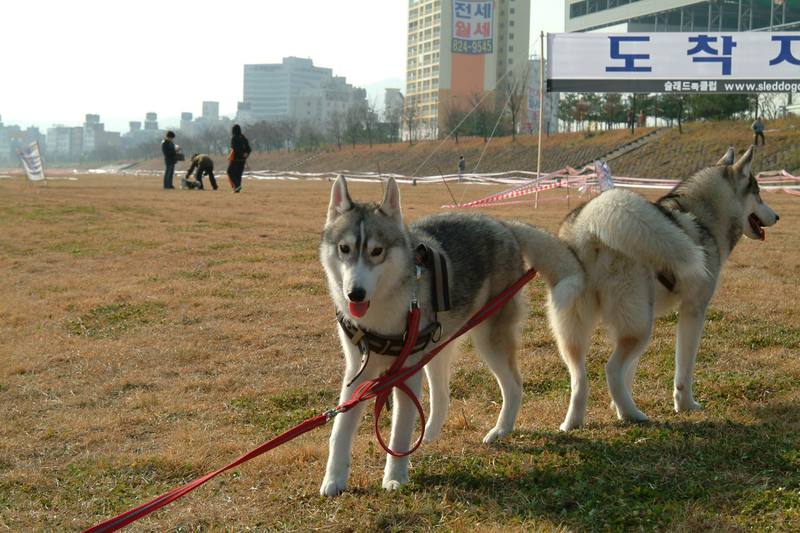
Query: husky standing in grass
x,y
642,259
371,260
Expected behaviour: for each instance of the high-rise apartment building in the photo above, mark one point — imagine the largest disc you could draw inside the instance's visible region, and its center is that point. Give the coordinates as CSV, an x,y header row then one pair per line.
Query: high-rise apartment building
x,y
460,51
64,143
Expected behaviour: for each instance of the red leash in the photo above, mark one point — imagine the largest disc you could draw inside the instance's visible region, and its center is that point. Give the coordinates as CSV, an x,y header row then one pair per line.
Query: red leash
x,y
378,388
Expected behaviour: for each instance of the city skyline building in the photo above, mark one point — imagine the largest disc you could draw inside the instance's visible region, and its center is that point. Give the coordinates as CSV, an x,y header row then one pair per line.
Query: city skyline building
x,y
459,52
295,89
681,15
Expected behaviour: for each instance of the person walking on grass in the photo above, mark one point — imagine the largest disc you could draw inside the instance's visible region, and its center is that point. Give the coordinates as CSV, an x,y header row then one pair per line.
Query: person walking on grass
x,y
462,165
240,150
204,165
758,131
170,158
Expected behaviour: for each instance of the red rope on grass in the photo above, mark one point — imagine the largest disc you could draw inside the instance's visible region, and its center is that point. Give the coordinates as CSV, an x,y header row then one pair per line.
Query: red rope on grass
x,y
378,388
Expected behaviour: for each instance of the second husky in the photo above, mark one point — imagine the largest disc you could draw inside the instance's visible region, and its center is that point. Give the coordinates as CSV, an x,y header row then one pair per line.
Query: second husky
x,y
643,258
368,254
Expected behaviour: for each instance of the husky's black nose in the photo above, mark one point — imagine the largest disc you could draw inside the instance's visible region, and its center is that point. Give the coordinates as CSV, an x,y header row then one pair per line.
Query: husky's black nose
x,y
357,294
777,218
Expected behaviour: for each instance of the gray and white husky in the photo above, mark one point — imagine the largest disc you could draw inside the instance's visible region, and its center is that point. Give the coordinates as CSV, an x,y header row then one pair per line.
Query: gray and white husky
x,y
642,259
368,254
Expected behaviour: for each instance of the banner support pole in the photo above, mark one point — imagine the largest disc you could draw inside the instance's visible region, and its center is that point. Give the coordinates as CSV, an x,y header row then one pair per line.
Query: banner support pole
x,y
541,115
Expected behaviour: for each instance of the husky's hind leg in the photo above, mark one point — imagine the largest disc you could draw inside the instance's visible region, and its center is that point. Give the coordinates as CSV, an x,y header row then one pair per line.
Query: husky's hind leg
x,y
496,342
690,329
438,374
572,329
620,368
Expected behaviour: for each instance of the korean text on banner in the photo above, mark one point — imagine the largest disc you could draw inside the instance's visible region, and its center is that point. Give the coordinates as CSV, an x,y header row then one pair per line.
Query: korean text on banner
x,y
472,27
690,62
32,161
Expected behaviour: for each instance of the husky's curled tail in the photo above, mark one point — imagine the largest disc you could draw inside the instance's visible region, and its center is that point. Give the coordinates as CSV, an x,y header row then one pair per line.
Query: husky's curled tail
x,y
553,260
629,224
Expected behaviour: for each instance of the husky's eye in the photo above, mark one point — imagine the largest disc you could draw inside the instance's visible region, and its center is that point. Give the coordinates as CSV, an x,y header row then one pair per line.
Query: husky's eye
x,y
344,248
376,252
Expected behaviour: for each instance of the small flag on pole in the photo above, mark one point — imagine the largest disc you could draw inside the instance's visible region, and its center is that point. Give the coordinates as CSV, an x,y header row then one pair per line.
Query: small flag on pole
x,y
32,161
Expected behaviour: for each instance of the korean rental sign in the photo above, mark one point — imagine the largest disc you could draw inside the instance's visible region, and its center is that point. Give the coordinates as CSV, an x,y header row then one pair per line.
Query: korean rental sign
x,y
472,27
735,62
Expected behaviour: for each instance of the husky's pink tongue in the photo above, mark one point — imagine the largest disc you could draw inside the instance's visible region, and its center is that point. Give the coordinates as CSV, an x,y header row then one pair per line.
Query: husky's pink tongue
x,y
358,309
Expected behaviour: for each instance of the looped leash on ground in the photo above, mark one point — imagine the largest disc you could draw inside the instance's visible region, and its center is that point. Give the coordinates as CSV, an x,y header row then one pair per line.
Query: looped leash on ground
x,y
378,388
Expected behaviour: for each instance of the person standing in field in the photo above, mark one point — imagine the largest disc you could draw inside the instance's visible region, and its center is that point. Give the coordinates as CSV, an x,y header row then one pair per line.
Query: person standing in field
x,y
240,150
758,131
462,165
170,158
204,165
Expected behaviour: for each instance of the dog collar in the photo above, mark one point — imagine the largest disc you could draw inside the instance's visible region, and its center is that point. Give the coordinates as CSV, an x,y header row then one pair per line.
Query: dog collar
x,y
391,345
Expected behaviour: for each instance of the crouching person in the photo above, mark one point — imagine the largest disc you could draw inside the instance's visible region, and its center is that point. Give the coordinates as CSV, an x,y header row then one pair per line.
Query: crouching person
x,y
204,165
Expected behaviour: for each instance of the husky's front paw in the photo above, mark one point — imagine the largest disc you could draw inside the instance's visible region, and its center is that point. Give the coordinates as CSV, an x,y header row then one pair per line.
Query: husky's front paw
x,y
393,485
431,434
395,481
569,425
685,403
495,434
635,416
331,487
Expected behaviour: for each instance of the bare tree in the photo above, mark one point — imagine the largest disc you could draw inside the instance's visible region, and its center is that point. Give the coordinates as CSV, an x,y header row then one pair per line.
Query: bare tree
x,y
410,114
481,116
454,120
393,116
370,120
354,122
336,127
308,137
288,132
613,110
516,91
214,140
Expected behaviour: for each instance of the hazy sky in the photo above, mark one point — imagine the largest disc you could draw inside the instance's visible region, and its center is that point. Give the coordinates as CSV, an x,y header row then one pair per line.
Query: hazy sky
x,y
62,59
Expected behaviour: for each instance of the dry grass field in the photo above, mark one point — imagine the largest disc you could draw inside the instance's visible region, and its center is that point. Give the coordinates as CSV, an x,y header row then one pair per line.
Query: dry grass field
x,y
148,337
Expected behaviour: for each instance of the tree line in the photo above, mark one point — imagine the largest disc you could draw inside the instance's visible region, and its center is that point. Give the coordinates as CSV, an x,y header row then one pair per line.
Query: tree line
x,y
581,111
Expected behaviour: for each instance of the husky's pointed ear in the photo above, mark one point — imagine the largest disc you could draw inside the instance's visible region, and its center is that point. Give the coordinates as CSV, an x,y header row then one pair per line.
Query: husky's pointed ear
x,y
390,206
728,158
340,199
745,163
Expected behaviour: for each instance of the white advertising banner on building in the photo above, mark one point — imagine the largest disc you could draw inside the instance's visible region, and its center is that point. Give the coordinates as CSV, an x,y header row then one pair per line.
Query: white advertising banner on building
x,y
472,27
743,62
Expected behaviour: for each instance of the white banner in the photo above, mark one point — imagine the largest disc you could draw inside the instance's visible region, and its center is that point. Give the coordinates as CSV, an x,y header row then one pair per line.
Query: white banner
x,y
691,62
32,161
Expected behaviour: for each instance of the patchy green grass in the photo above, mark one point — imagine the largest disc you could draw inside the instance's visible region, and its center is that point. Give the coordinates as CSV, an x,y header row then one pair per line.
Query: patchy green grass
x,y
113,320
278,413
160,343
641,478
